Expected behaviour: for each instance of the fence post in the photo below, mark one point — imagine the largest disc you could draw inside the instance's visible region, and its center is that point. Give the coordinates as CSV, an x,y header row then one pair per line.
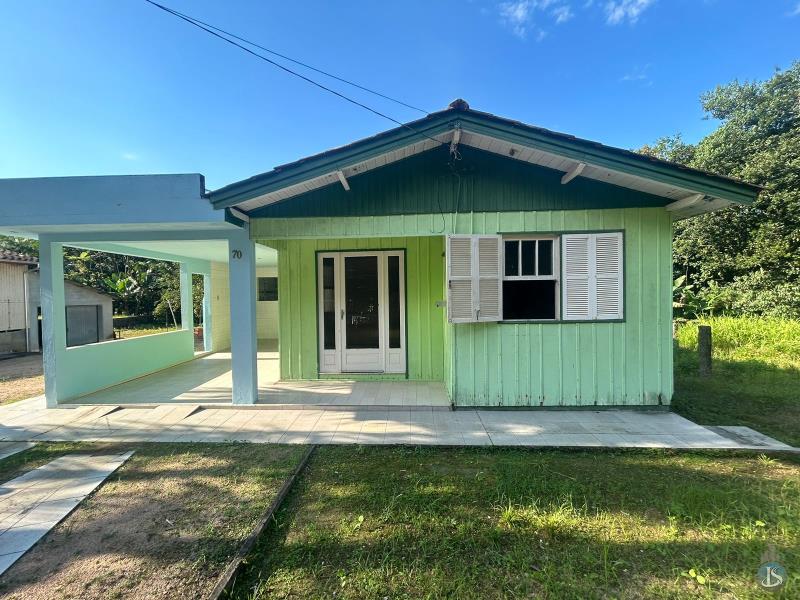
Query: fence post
x,y
704,350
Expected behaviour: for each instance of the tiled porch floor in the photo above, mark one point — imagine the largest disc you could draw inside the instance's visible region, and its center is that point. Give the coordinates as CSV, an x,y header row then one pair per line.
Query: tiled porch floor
x,y
207,380
29,420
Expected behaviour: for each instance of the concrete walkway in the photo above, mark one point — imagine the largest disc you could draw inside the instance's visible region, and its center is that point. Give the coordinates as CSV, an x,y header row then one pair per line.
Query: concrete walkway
x,y
30,421
11,448
34,503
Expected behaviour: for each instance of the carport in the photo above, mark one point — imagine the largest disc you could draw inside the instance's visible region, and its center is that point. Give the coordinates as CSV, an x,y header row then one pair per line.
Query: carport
x,y
163,217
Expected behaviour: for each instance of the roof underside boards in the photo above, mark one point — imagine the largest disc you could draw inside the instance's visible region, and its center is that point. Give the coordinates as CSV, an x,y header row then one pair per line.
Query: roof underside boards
x,y
177,250
499,136
479,182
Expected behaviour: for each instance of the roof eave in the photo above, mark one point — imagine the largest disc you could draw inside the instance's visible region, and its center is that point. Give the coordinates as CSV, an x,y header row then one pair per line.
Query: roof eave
x,y
593,153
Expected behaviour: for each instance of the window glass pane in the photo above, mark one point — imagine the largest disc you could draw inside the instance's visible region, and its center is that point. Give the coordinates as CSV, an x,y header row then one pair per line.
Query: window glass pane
x,y
394,301
528,257
545,257
529,299
328,305
512,258
267,289
361,302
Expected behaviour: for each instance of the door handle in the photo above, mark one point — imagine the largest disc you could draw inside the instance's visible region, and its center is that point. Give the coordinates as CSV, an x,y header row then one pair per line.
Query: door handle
x,y
341,313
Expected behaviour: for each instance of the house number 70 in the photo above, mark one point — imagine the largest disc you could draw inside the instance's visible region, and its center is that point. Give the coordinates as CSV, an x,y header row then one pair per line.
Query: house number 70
x,y
237,254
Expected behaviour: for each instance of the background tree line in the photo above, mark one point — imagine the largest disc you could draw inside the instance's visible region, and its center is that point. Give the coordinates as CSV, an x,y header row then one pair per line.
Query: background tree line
x,y
139,286
744,260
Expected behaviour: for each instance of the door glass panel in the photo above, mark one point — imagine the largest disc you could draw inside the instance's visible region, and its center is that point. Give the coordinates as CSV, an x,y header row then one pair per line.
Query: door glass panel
x,y
394,301
545,257
512,258
328,305
361,302
528,257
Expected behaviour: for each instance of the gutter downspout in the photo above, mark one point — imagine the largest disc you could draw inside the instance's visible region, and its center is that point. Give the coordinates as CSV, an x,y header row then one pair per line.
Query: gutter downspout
x,y
26,297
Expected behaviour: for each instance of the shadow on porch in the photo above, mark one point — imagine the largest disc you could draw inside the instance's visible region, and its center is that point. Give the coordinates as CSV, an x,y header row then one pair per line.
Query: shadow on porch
x,y
207,380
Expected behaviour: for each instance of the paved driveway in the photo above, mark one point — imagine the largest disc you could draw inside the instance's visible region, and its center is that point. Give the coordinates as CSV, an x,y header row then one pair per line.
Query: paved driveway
x,y
30,421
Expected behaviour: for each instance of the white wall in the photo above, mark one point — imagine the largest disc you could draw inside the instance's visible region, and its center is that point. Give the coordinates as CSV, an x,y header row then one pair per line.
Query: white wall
x,y
220,307
266,312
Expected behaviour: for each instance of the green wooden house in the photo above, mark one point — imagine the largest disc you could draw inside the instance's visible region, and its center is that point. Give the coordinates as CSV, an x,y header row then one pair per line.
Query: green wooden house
x,y
518,266
507,265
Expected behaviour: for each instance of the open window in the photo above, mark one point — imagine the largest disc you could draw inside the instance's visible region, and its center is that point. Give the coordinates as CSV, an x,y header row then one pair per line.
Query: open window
x,y
267,289
569,277
530,279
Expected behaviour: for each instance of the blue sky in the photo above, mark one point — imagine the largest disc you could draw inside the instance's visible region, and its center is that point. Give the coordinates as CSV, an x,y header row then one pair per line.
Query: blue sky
x,y
111,87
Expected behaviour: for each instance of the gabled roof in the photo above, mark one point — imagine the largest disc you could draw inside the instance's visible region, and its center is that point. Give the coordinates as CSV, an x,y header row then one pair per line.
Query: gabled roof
x,y
688,191
9,256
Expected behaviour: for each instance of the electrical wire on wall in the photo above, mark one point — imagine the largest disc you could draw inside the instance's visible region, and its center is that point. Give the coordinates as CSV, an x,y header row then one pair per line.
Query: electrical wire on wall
x,y
455,156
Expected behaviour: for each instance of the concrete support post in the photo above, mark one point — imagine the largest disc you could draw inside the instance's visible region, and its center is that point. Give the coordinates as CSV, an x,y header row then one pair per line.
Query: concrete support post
x,y
242,275
187,319
54,318
207,343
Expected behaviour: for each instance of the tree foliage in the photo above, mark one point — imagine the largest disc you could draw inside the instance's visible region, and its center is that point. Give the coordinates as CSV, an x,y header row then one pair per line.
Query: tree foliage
x,y
745,259
139,286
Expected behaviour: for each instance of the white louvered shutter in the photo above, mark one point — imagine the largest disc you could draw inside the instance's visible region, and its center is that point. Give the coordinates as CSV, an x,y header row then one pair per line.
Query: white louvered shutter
x,y
460,280
608,259
490,278
576,290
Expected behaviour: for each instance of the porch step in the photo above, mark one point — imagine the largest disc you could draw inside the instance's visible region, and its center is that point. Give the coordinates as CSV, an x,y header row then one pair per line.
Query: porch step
x,y
189,409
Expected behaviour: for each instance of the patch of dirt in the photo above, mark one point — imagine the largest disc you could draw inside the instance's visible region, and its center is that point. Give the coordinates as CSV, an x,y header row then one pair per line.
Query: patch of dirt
x,y
163,526
21,389
21,378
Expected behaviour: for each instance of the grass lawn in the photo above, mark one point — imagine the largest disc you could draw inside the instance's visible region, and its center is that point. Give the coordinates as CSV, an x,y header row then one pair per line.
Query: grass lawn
x,y
163,526
140,330
755,379
496,523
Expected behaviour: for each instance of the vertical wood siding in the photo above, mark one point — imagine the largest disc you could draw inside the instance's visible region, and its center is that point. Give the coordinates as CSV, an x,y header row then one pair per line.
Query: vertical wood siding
x,y
578,364
297,303
496,364
12,296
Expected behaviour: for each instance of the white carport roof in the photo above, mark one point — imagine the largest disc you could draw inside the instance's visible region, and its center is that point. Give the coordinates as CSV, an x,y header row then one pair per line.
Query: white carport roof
x,y
154,216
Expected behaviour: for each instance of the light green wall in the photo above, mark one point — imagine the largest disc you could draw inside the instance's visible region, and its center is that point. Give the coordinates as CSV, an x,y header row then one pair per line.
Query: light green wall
x,y
86,369
579,364
297,294
495,364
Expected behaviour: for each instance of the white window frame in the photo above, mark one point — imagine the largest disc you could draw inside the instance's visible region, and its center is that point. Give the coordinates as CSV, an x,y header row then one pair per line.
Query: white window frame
x,y
556,275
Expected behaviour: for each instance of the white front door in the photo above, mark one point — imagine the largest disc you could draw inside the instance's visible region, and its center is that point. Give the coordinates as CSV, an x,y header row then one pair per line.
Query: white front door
x,y
361,297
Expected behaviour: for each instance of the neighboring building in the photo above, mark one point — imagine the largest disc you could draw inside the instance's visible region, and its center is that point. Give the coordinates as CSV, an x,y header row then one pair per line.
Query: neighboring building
x,y
89,313
511,265
89,318
13,305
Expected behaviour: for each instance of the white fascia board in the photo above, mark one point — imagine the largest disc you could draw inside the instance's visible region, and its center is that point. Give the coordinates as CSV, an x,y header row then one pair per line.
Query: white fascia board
x,y
116,200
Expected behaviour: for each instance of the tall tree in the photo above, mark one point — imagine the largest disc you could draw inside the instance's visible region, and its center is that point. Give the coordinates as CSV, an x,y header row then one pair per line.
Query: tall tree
x,y
747,257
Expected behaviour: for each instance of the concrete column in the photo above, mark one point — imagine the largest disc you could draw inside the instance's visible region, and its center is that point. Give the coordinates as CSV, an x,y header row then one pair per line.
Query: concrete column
x,y
54,318
187,316
242,279
207,344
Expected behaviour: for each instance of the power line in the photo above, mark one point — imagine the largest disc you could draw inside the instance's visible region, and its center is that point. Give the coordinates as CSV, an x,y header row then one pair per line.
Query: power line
x,y
295,61
207,29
